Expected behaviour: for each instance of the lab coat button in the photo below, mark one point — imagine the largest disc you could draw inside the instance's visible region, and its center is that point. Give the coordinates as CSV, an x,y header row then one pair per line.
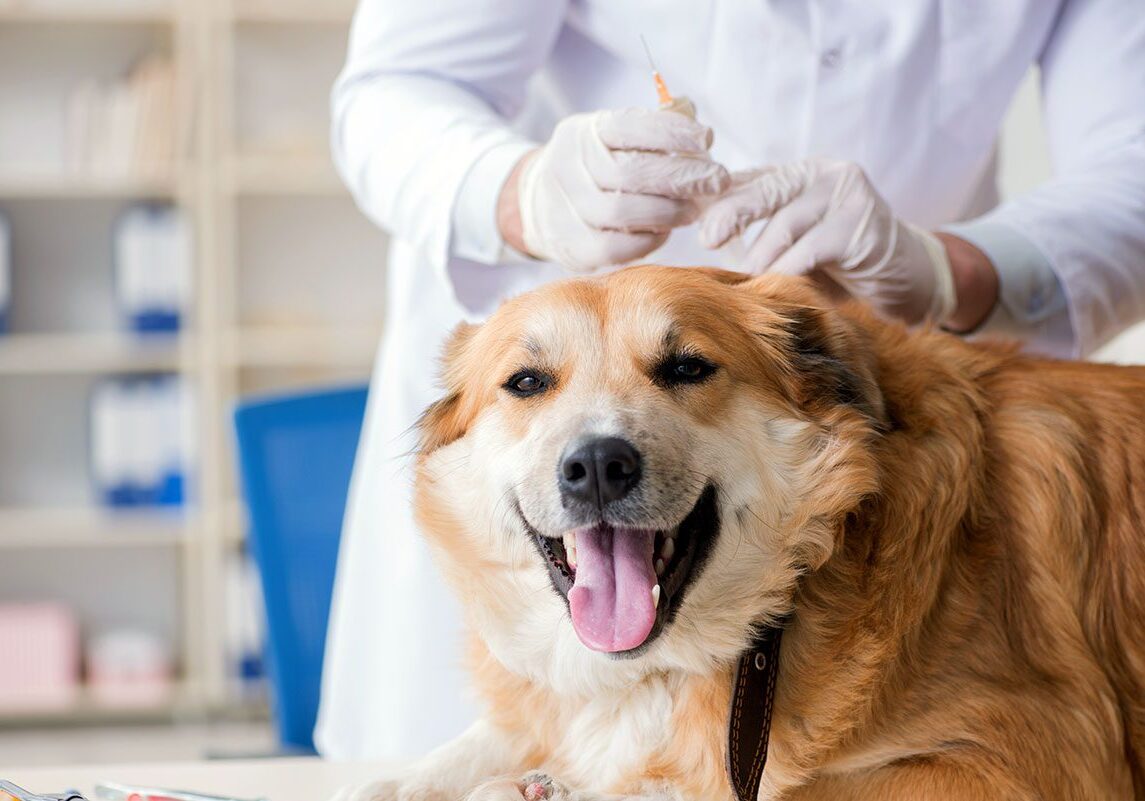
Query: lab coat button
x,y
832,58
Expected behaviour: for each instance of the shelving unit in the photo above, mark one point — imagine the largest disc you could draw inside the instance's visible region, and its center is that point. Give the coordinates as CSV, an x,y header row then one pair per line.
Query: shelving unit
x,y
334,12
88,527
266,177
288,281
88,710
46,185
301,347
31,354
86,13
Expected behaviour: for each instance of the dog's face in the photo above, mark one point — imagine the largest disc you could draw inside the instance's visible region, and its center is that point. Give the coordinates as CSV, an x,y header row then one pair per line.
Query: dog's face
x,y
639,466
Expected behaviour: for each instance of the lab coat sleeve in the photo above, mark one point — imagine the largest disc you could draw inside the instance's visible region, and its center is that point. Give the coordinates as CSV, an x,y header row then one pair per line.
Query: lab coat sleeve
x,y
1071,253
422,109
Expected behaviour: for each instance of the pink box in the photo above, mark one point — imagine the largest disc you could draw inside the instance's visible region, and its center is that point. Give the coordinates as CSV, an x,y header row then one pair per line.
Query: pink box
x,y
39,656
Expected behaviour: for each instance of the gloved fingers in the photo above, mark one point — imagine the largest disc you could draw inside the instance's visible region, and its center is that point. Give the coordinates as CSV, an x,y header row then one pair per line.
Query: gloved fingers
x,y
806,254
648,129
625,247
583,248
658,174
784,229
607,248
751,198
631,212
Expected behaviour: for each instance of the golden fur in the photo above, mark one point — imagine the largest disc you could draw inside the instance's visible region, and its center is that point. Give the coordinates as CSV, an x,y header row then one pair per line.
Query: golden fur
x,y
964,528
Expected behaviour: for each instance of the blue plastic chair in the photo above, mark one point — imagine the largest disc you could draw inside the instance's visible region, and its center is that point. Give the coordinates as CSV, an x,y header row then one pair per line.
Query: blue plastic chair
x,y
295,458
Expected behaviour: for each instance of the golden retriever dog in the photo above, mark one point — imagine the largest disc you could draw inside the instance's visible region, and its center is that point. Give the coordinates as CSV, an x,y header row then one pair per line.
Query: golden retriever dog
x,y
628,477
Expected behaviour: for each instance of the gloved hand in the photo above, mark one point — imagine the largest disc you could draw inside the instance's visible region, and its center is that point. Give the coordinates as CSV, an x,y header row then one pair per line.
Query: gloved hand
x,y
610,186
825,215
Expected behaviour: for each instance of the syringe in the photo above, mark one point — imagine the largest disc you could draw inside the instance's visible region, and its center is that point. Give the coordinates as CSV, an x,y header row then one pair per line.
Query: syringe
x,y
734,250
681,105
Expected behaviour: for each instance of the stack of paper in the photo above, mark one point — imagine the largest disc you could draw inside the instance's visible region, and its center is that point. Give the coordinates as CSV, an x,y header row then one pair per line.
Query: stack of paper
x,y
125,128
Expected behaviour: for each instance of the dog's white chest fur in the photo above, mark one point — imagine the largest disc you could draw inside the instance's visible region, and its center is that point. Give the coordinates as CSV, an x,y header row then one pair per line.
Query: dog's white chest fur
x,y
613,735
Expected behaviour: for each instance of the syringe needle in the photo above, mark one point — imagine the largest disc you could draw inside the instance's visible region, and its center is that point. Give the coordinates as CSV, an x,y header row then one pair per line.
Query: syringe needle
x,y
666,99
648,52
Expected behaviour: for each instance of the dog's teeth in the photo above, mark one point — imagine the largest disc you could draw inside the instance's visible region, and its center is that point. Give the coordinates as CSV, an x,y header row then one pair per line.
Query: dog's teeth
x,y
572,555
570,541
656,597
659,567
668,549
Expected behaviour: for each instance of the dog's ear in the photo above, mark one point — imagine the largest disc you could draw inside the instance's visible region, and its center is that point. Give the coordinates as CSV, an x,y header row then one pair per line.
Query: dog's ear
x,y
834,357
831,354
447,419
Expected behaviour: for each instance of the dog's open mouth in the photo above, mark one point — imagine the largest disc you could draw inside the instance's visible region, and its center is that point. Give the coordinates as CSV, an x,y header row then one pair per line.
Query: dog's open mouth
x,y
623,585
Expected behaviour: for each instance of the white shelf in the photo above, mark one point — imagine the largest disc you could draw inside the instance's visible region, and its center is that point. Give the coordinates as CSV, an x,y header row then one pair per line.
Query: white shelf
x,y
302,347
52,185
38,354
286,176
329,12
85,13
92,527
88,709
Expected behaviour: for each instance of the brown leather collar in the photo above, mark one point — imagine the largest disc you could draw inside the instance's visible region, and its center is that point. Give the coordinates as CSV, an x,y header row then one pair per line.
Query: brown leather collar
x,y
749,718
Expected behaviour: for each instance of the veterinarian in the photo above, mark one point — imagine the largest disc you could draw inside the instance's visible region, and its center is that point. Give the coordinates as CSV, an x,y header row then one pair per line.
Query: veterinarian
x,y
507,143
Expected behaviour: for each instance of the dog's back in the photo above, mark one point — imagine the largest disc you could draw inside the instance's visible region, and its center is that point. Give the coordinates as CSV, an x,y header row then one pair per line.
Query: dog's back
x,y
1072,442
1113,587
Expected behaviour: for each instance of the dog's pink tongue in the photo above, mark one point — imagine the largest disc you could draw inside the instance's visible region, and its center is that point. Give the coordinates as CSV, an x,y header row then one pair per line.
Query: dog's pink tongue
x,y
611,599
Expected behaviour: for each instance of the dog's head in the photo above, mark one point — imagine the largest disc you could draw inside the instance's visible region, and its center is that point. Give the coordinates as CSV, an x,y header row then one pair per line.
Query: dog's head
x,y
641,465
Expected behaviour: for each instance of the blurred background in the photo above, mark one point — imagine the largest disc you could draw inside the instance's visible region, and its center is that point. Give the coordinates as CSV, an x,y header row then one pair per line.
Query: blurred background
x,y
173,238
174,241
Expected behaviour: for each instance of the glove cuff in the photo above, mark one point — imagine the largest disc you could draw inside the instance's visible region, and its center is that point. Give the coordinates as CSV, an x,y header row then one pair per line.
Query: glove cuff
x,y
527,185
945,299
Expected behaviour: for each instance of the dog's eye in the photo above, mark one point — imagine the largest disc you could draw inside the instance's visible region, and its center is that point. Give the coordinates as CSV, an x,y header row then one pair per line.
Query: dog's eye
x,y
684,370
526,383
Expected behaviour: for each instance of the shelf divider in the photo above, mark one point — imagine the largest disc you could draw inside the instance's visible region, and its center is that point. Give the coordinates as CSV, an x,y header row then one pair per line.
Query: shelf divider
x,y
63,353
92,527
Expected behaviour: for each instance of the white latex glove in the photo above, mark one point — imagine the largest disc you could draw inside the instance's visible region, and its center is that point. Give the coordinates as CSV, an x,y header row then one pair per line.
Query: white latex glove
x,y
825,215
611,185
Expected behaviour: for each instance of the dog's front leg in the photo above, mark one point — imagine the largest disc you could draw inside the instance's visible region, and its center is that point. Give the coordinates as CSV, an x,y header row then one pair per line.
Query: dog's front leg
x,y
449,772
538,786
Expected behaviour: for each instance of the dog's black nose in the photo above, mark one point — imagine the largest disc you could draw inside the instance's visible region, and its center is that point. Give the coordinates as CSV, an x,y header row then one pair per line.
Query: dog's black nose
x,y
599,471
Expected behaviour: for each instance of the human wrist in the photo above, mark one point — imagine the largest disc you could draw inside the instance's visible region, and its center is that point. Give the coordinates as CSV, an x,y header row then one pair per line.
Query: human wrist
x,y
975,283
509,222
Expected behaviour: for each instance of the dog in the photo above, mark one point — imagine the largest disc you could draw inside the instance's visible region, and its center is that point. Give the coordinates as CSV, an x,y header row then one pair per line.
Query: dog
x,y
629,478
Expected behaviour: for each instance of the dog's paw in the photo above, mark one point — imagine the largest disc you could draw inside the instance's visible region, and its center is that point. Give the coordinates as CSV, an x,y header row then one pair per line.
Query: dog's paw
x,y
543,787
533,786
391,790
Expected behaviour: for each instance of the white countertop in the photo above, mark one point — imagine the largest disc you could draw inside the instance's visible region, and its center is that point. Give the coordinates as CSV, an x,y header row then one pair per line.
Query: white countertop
x,y
296,779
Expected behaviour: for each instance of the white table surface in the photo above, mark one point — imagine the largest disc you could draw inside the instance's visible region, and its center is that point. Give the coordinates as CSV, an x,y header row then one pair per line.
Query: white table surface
x,y
296,779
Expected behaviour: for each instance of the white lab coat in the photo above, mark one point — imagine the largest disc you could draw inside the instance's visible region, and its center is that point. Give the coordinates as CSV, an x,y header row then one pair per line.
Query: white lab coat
x,y
912,90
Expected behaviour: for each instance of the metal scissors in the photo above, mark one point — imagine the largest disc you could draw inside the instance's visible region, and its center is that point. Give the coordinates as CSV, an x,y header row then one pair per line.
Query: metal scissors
x,y
20,794
106,791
